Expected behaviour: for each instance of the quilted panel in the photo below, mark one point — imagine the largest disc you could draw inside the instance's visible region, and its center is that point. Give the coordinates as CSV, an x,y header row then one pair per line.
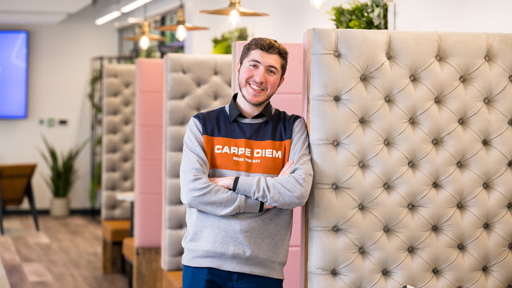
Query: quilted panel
x,y
194,83
117,139
410,141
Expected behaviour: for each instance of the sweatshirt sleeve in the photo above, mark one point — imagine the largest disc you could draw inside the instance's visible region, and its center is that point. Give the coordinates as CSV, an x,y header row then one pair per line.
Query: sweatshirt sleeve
x,y
196,189
292,190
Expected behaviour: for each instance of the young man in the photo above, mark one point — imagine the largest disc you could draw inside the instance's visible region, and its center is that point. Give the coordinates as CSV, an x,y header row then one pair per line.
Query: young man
x,y
245,167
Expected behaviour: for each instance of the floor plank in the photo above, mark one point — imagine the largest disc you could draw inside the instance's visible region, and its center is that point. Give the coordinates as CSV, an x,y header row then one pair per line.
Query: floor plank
x,y
66,252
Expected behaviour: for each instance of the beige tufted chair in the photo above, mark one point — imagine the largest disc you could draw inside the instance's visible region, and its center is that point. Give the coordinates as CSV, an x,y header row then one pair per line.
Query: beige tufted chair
x,y
411,141
193,83
117,161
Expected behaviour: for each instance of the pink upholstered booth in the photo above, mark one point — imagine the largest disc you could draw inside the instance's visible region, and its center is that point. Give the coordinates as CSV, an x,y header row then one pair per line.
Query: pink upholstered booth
x,y
147,216
288,98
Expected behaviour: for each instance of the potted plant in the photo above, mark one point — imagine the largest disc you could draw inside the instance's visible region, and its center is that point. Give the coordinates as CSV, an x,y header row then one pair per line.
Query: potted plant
x,y
62,176
222,45
361,15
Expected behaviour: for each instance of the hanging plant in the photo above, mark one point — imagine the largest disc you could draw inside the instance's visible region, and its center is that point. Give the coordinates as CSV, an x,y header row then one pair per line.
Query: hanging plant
x,y
361,15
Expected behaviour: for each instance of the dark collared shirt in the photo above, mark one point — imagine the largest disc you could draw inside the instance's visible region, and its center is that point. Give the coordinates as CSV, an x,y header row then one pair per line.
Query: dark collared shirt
x,y
235,112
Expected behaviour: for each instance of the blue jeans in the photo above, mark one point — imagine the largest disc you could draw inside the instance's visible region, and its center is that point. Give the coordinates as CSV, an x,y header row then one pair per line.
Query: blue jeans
x,y
194,277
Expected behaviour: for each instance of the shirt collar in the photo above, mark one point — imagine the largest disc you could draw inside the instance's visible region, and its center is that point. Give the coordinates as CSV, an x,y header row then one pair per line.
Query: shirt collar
x,y
235,112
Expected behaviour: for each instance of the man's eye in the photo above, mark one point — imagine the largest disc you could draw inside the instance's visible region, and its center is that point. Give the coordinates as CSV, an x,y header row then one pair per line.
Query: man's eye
x,y
273,72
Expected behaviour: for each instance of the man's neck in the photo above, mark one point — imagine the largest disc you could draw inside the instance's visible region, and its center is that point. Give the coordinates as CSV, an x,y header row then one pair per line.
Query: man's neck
x,y
247,109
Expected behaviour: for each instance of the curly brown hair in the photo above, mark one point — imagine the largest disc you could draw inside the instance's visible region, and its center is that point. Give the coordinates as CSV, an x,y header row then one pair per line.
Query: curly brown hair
x,y
269,46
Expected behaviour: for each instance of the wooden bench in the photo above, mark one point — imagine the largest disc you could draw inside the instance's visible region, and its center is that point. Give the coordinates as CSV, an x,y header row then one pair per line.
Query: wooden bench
x,y
173,279
114,231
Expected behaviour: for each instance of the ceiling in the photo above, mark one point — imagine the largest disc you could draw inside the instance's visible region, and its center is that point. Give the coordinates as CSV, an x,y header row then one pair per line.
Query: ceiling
x,y
40,12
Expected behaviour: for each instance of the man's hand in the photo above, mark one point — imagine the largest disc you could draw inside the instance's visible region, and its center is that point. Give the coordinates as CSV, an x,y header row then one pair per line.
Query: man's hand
x,y
227,182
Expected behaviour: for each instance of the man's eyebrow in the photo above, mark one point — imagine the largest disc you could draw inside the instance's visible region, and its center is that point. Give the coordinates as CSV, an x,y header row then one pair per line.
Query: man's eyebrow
x,y
257,61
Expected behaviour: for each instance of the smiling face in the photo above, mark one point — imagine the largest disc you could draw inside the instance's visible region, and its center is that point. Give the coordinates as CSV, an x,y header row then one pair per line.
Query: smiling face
x,y
259,76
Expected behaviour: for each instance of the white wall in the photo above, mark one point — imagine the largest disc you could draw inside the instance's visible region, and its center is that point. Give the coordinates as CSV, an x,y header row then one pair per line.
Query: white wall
x,y
60,56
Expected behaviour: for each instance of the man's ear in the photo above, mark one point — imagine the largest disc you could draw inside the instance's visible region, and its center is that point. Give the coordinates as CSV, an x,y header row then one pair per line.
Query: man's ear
x,y
238,67
280,82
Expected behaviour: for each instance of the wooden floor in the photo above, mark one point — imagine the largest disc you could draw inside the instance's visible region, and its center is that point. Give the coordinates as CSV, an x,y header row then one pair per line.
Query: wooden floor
x,y
66,252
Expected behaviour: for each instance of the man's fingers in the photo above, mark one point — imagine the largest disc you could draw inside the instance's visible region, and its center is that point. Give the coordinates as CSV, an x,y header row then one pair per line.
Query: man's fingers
x,y
286,169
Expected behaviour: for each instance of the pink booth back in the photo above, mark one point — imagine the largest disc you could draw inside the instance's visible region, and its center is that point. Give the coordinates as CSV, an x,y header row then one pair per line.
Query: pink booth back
x,y
148,152
288,98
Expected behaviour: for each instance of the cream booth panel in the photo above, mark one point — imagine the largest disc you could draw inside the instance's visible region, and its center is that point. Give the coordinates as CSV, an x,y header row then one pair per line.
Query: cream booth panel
x,y
411,142
193,83
117,139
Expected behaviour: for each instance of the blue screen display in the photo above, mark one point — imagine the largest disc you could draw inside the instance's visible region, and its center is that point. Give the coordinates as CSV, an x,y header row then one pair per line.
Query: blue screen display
x,y
13,74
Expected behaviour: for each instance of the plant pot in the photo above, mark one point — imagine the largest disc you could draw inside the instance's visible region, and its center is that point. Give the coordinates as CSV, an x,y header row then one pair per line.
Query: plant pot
x,y
59,207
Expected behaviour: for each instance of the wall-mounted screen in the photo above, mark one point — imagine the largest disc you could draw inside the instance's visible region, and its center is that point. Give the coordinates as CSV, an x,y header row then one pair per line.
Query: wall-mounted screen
x,y
13,74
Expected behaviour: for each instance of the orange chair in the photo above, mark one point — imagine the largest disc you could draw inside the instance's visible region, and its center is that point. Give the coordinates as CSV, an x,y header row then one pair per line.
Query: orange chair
x,y
15,183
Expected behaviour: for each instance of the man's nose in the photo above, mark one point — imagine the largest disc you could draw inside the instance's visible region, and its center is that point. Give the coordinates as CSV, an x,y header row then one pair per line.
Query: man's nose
x,y
259,75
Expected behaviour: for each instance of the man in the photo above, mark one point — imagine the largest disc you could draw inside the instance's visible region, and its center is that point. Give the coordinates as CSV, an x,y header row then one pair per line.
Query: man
x,y
245,167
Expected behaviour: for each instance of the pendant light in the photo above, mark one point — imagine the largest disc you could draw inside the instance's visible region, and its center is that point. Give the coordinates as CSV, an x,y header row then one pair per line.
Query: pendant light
x,y
234,10
181,27
145,38
317,3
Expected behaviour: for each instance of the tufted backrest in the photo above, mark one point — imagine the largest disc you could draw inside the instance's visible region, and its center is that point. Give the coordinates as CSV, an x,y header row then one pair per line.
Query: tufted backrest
x,y
193,83
117,139
411,145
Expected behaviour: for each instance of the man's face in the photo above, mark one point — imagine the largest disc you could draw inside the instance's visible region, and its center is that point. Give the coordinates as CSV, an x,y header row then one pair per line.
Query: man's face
x,y
259,77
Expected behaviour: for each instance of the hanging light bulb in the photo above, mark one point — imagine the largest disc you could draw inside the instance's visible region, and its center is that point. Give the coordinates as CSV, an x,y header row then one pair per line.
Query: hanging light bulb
x,y
144,42
234,18
181,27
181,33
317,3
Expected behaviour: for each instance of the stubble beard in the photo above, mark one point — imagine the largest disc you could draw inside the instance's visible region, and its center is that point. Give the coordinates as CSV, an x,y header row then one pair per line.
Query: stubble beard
x,y
258,104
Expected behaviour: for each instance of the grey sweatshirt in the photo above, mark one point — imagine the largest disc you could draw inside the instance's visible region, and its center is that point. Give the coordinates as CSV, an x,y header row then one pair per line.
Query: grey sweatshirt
x,y
228,229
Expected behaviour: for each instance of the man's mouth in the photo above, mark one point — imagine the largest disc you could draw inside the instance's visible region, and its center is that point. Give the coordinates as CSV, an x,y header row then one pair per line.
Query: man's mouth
x,y
256,87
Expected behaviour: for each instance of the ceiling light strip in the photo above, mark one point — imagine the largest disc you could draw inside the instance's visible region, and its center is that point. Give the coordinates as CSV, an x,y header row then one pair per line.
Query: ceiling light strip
x,y
110,16
134,5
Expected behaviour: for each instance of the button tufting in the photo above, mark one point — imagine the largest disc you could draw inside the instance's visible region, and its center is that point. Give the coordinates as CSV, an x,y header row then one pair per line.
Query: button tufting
x,y
362,78
486,225
460,246
459,205
434,141
486,100
509,205
334,272
362,120
361,164
361,250
487,58
388,56
410,249
434,227
335,142
336,54
435,271
334,186
387,98
484,142
461,78
459,164
484,268
384,271
411,121
509,163
337,98
485,185
386,185
459,286
461,121
438,57
437,100
335,228
510,78
386,142
509,121
434,184
360,206
385,229
410,206
510,246
412,78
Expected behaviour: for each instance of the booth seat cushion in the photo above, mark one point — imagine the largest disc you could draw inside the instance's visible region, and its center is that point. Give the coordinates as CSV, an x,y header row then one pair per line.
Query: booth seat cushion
x,y
115,230
173,279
